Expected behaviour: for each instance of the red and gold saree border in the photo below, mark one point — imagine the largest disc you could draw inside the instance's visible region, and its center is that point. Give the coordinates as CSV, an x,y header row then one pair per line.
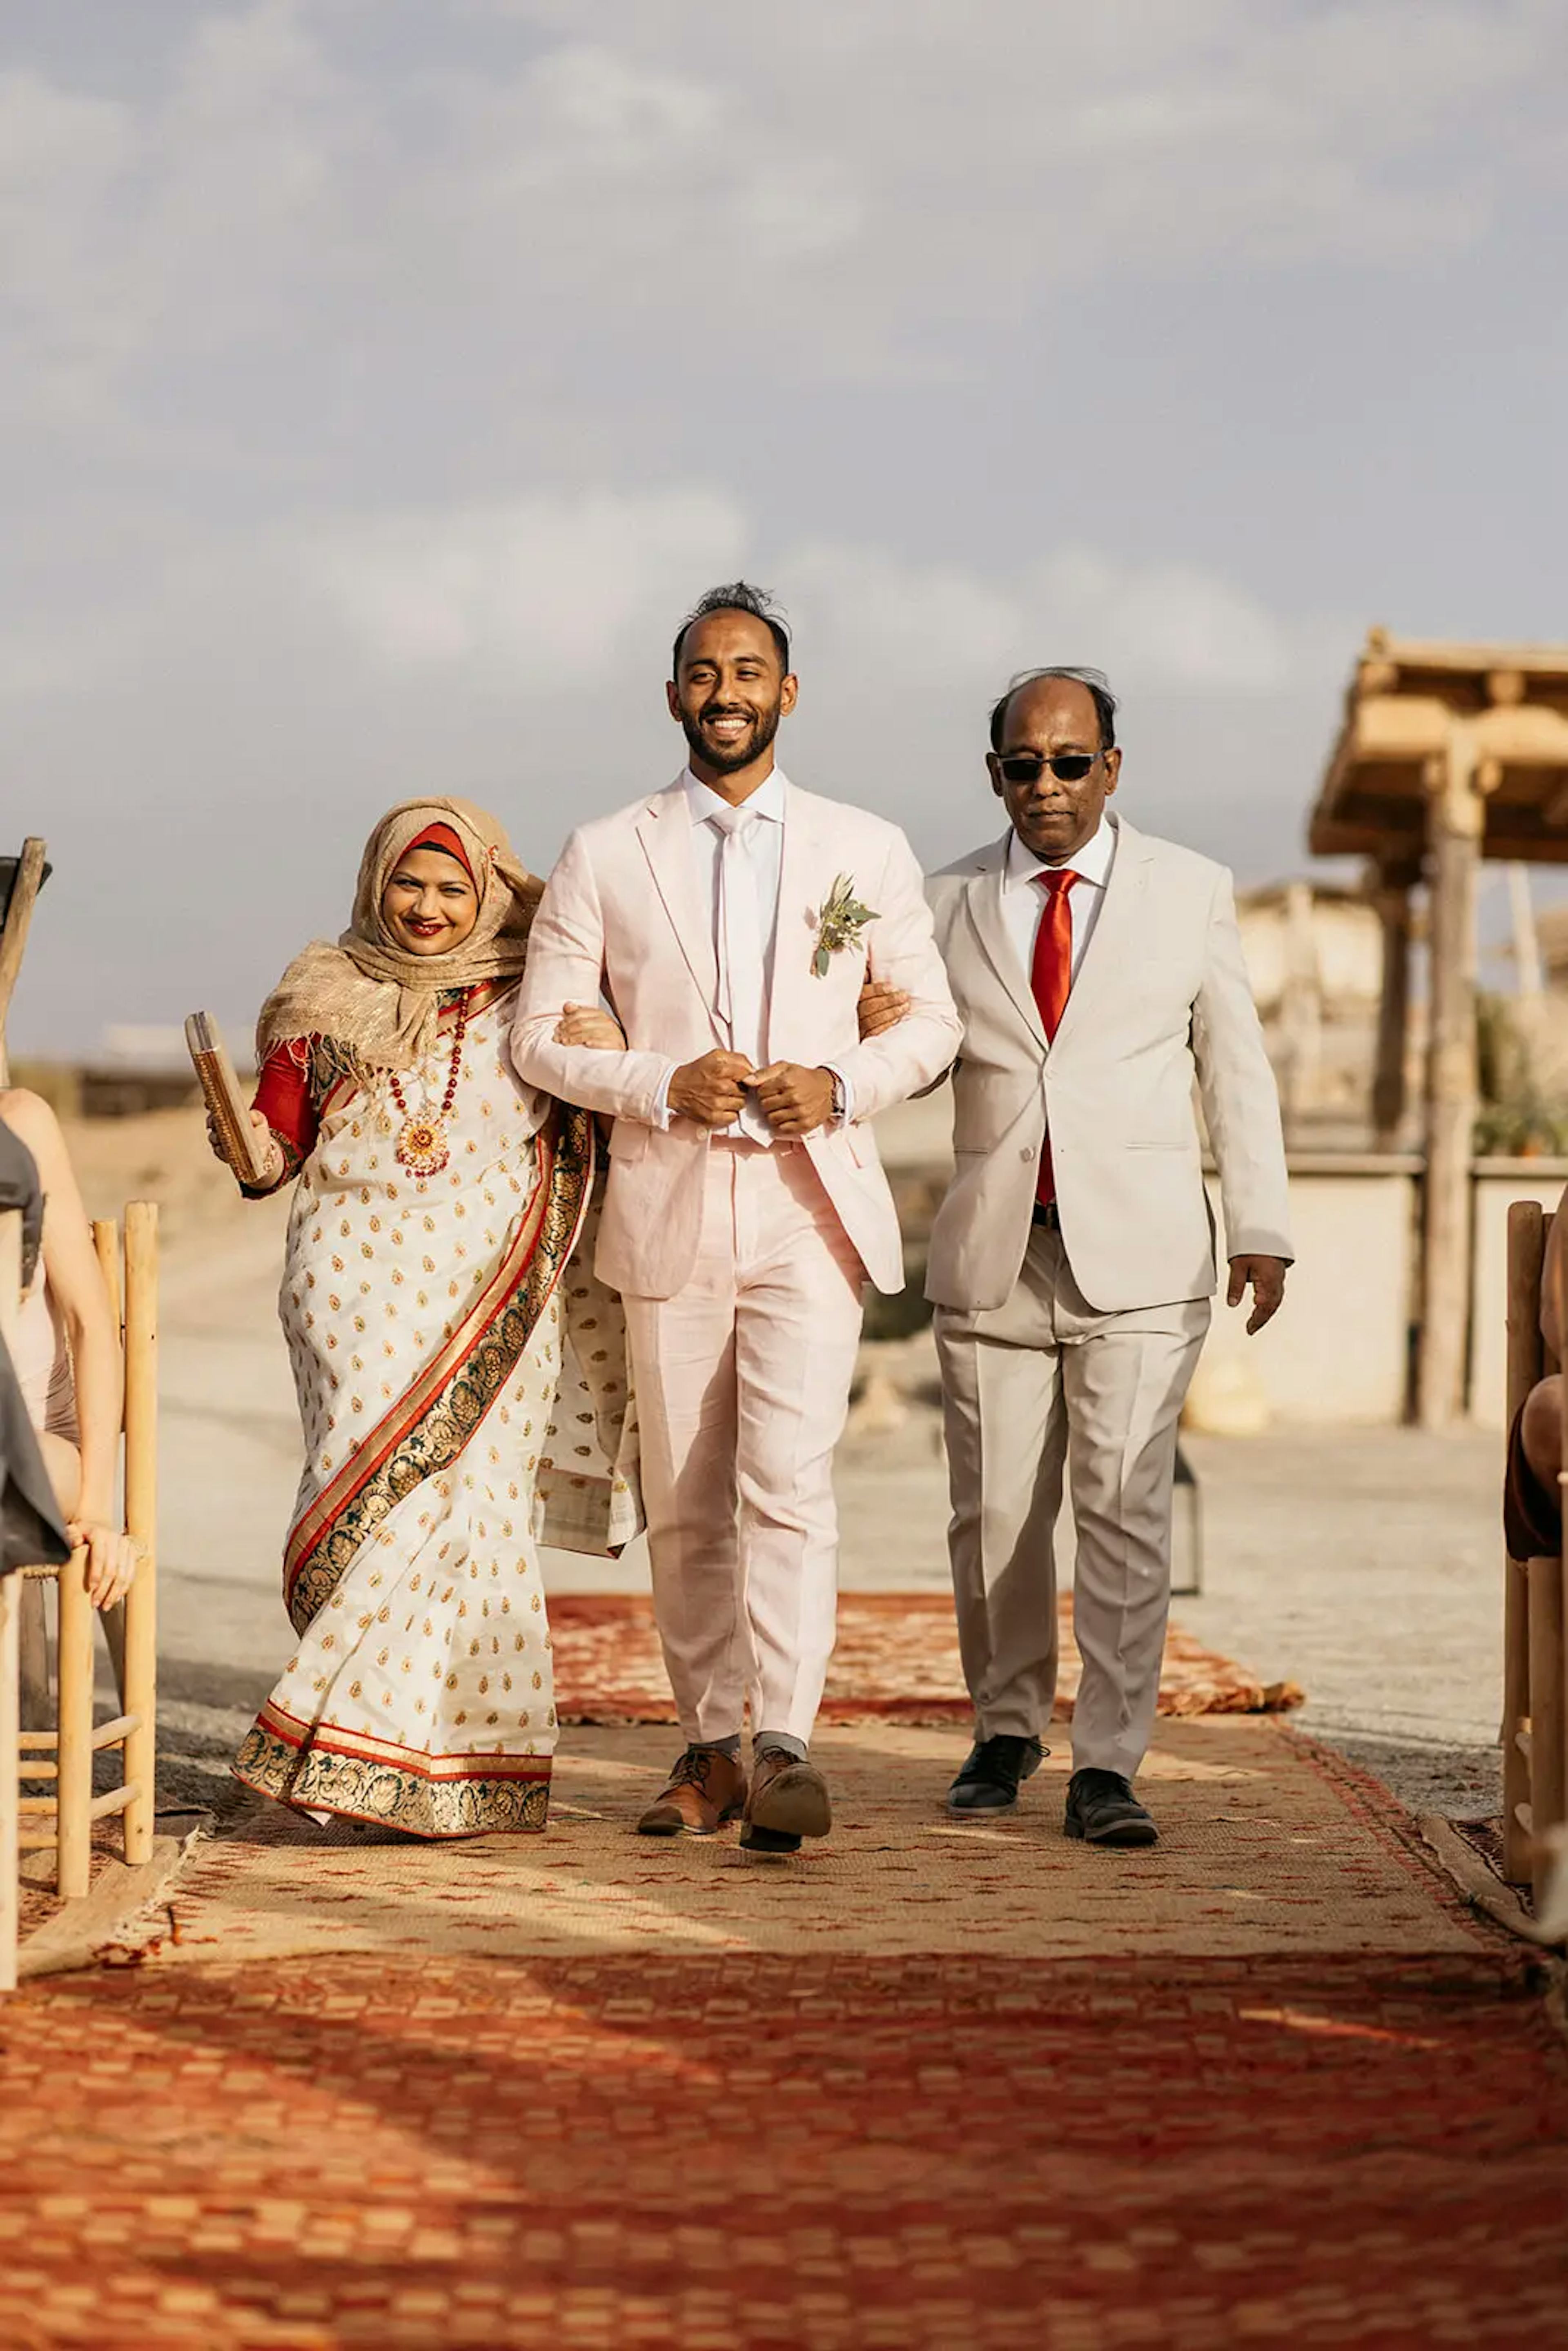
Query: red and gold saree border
x,y
318,1767
428,1427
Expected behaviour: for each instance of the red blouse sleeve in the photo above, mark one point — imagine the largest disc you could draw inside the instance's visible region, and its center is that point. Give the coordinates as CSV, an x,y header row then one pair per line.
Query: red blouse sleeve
x,y
283,1098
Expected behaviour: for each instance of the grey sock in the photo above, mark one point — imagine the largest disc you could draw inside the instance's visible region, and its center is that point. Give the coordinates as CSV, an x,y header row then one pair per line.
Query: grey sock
x,y
731,1745
781,1740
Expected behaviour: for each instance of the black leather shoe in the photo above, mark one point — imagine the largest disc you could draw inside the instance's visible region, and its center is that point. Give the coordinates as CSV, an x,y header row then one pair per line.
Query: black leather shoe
x,y
992,1774
1103,1809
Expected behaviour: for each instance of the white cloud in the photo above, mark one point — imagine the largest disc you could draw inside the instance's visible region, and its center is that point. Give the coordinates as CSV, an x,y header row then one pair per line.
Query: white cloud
x,y
847,187
1165,625
543,588
377,386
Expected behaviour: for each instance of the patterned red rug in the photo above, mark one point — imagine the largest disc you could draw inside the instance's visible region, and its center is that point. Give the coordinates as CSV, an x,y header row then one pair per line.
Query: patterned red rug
x,y
896,1660
792,2154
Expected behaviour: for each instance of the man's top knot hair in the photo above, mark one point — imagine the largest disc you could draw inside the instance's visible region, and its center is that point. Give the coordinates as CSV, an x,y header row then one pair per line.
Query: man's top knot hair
x,y
736,596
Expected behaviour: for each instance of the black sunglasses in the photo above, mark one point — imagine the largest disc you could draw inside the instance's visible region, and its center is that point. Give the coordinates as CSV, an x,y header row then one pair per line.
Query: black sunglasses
x,y
1028,766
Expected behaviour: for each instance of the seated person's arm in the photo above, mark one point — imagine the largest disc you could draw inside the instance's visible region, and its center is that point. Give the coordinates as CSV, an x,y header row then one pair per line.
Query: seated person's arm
x,y
76,1284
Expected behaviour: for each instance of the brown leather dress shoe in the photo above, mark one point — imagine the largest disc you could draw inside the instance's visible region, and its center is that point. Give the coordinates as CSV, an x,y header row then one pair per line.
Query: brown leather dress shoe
x,y
789,1800
705,1789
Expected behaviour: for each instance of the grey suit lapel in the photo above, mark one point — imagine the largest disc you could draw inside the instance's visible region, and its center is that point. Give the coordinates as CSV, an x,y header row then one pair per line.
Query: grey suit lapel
x,y
1118,934
984,894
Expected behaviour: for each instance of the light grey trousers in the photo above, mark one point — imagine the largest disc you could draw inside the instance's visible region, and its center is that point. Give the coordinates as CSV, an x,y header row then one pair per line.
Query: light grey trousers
x,y
1042,1384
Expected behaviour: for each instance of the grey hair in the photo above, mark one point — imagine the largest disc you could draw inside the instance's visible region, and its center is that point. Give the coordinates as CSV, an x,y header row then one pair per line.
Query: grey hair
x,y
1093,681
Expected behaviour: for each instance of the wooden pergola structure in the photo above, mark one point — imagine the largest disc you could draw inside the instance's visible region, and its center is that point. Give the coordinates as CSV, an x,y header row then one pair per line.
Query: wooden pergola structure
x,y
1448,754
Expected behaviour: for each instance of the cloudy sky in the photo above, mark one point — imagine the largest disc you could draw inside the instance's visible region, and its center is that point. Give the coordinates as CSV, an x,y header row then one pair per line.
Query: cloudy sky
x,y
380,379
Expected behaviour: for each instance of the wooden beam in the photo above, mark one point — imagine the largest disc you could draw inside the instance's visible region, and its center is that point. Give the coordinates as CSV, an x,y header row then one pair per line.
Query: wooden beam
x,y
139,1673
1456,817
1390,895
14,937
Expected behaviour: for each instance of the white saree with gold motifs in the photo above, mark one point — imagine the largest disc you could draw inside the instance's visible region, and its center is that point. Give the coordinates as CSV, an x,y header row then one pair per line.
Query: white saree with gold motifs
x,y
462,1383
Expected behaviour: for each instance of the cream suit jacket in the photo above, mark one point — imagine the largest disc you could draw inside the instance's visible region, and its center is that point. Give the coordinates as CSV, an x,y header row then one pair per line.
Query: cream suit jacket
x,y
623,913
1161,999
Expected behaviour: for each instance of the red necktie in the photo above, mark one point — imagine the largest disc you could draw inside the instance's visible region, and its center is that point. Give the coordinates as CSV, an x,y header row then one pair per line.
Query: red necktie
x,y
1050,978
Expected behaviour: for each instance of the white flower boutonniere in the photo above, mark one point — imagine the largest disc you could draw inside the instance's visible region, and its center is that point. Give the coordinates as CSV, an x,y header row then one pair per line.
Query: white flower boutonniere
x,y
840,919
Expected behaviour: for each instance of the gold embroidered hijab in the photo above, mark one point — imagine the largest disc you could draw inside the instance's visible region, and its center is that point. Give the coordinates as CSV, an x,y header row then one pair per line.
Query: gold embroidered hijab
x,y
370,996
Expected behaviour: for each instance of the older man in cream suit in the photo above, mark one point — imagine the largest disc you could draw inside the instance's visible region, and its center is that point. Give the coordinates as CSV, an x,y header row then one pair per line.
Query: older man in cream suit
x,y
1099,978
732,920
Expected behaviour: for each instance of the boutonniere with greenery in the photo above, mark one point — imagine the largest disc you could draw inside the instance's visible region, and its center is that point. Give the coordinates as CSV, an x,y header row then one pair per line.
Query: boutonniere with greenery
x,y
840,919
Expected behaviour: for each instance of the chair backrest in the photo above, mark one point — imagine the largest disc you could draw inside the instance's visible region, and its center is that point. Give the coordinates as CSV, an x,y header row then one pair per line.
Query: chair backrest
x,y
30,871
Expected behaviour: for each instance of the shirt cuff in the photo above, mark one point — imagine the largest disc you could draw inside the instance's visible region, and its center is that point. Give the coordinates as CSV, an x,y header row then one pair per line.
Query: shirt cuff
x,y
661,1118
845,1115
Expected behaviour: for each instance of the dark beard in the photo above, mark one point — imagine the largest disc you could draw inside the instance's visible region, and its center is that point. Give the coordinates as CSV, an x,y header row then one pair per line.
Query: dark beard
x,y
740,755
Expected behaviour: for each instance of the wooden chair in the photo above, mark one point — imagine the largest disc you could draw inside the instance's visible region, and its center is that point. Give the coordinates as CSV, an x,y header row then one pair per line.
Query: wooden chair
x,y
10,1647
64,1755
1535,1647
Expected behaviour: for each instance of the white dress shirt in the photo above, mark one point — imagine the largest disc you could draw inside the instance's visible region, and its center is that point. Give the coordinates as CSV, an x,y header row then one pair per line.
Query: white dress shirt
x,y
760,848
1024,900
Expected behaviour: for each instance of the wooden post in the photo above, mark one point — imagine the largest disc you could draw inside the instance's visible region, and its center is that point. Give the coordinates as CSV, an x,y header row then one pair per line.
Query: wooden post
x,y
10,1650
10,1793
73,1681
1456,817
140,1671
14,937
1389,889
106,1242
1300,1006
1530,980
1527,1230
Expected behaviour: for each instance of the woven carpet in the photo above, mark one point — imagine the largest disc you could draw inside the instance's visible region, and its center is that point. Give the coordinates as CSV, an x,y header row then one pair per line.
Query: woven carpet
x,y
941,2086
1268,1846
800,2154
896,1660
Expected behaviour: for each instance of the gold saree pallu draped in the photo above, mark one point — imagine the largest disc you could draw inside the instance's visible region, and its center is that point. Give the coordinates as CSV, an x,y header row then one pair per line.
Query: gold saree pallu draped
x,y
427,1320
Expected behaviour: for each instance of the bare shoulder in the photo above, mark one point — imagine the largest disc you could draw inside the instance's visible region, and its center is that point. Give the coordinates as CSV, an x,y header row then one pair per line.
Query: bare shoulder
x,y
28,1115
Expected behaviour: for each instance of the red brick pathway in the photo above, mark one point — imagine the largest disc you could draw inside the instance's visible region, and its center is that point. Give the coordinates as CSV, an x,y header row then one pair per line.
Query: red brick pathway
x,y
724,2154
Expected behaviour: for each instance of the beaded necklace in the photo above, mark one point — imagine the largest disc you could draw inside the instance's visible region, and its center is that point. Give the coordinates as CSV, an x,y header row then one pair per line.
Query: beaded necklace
x,y
422,1146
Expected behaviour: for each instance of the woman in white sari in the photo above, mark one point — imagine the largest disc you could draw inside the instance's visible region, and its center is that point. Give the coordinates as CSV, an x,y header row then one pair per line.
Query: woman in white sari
x,y
461,1399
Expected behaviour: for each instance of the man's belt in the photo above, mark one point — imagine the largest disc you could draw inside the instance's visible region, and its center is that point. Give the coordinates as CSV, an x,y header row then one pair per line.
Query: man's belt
x,y
1047,1213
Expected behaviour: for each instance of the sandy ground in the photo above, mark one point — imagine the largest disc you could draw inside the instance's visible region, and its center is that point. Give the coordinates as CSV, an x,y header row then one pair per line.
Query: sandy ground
x,y
1363,1564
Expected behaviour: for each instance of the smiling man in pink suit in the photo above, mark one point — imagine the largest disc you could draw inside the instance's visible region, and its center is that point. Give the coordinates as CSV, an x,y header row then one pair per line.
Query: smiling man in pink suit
x,y
732,921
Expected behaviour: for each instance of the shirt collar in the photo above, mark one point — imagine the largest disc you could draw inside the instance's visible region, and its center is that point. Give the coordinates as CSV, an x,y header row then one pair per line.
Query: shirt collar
x,y
766,801
1091,863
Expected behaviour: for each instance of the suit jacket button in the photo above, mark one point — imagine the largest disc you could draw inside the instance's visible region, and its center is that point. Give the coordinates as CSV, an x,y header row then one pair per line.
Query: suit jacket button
x,y
1028,1151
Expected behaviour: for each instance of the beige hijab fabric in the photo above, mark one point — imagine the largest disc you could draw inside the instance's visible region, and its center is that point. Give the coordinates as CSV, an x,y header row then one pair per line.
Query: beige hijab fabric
x,y
369,995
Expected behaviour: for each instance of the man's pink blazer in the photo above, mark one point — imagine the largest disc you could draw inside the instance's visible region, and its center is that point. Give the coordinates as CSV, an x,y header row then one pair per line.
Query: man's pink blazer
x,y
623,915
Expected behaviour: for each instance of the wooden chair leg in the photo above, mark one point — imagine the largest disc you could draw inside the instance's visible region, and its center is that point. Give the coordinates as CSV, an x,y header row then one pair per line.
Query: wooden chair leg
x,y
114,1623
1548,1728
10,1589
37,1682
141,1668
73,1788
1516,1837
